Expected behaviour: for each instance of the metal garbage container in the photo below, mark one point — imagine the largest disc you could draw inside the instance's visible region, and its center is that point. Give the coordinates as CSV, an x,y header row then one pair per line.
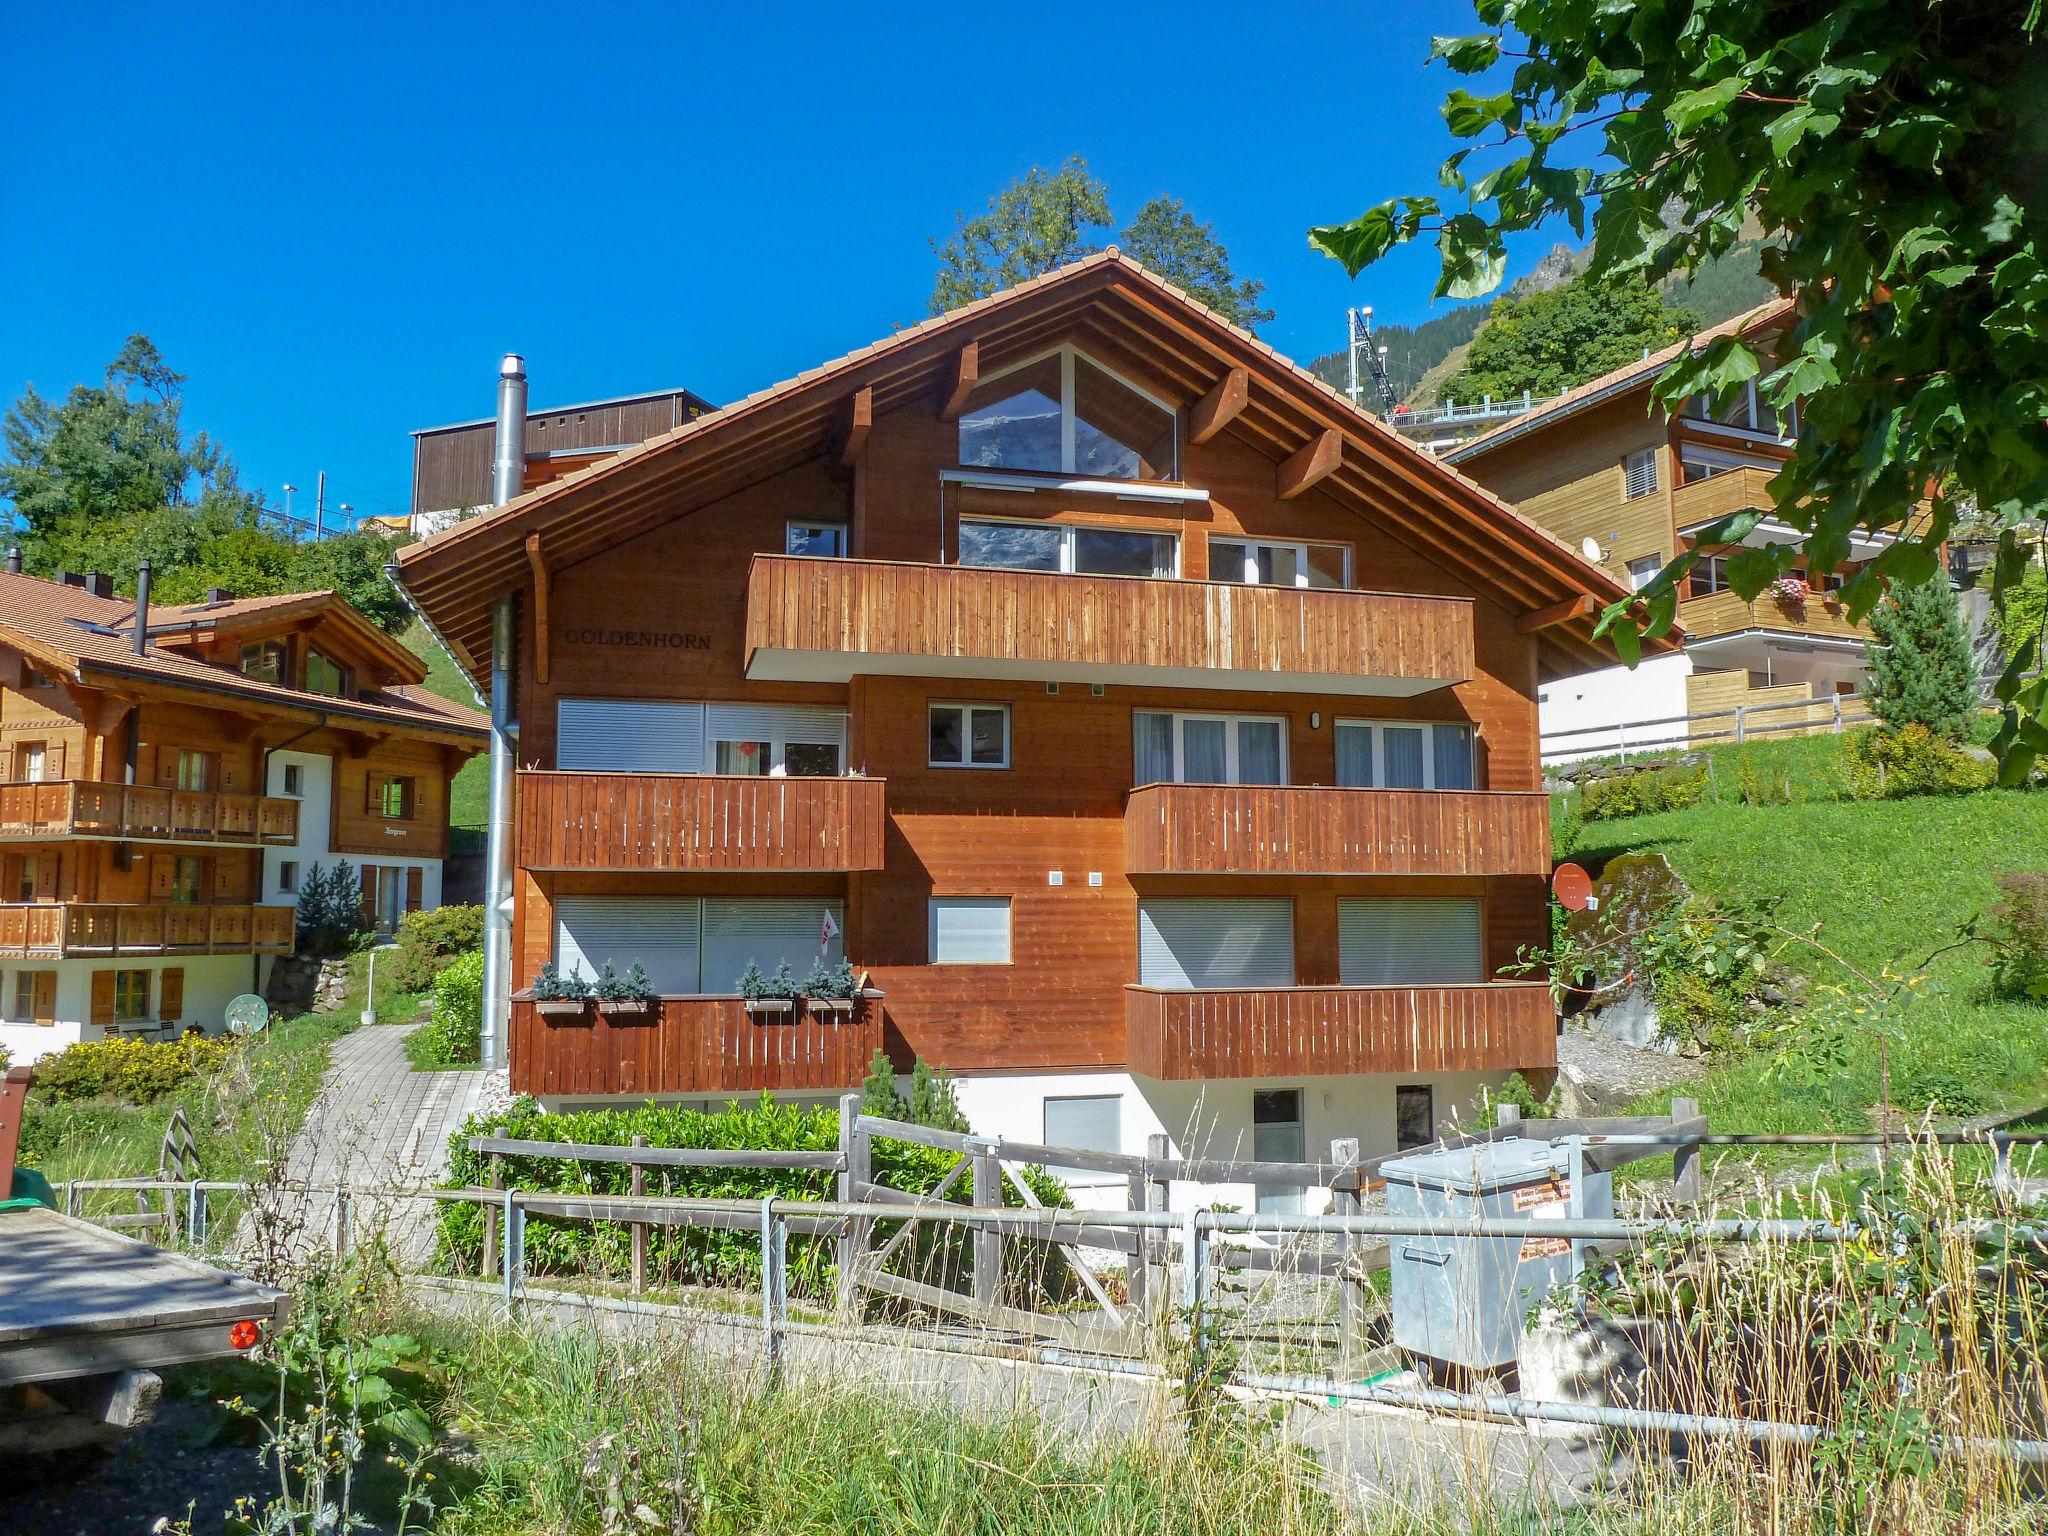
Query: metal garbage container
x,y
1463,1300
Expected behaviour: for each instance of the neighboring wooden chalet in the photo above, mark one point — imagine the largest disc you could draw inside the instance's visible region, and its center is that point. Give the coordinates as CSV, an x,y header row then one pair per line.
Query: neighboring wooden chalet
x,y
1601,462
161,802
1153,730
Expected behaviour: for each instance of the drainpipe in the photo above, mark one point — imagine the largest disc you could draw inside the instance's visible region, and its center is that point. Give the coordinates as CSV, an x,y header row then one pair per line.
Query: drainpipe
x,y
508,476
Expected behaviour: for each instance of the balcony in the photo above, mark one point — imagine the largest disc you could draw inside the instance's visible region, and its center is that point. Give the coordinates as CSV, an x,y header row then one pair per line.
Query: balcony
x,y
828,620
1228,829
1719,496
680,822
690,1045
1725,613
85,808
61,930
1325,1031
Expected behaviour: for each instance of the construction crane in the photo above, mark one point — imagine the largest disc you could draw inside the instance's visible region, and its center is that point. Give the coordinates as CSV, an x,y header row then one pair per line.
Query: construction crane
x,y
1358,324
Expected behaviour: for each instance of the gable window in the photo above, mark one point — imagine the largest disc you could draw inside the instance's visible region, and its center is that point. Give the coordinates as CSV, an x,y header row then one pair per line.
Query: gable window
x,y
264,661
1263,563
994,544
814,539
326,676
392,797
1746,409
1639,473
1403,754
970,736
1208,749
1063,414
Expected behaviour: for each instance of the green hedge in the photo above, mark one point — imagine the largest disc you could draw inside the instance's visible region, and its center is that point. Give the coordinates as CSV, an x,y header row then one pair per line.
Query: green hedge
x,y
133,1071
453,1033
1642,793
704,1257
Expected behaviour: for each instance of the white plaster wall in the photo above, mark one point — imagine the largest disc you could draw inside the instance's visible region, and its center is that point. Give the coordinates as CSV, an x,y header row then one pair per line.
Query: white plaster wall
x,y
211,982
316,799
1609,697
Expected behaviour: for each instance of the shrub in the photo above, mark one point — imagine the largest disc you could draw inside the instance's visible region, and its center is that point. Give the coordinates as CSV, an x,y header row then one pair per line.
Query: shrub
x,y
1642,793
2017,931
933,1100
1946,1090
1921,669
330,911
1888,764
428,940
133,1071
551,986
453,1033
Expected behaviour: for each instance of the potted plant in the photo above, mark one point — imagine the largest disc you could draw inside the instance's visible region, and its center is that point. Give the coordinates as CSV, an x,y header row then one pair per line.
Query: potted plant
x,y
1791,593
629,997
831,989
556,996
772,996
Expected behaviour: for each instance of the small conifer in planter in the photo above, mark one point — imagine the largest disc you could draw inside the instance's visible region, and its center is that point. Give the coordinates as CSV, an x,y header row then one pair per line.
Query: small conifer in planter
x,y
768,994
629,997
831,988
556,996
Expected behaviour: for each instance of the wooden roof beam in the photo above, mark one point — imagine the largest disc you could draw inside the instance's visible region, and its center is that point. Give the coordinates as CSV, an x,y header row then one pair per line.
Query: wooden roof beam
x,y
860,420
541,632
1557,613
966,374
1313,462
1218,408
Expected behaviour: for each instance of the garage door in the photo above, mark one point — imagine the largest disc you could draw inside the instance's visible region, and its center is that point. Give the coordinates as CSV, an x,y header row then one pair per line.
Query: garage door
x,y
1409,941
1216,943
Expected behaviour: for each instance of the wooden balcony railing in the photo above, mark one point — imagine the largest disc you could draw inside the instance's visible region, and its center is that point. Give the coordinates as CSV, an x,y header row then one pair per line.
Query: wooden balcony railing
x,y
88,808
830,620
1724,613
708,1045
60,929
1323,1031
1229,829
1710,500
645,821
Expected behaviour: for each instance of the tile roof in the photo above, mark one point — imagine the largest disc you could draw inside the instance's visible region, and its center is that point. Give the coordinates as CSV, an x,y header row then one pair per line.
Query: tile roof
x,y
1616,379
80,633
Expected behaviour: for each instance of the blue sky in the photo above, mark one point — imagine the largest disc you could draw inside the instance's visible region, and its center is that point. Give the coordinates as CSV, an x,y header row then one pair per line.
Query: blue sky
x,y
335,219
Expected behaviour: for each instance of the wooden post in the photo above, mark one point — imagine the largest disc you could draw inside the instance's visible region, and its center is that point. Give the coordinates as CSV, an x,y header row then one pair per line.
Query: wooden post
x,y
1347,1200
491,1218
639,1227
988,1240
1505,1115
1158,1197
342,1223
1688,1178
855,1147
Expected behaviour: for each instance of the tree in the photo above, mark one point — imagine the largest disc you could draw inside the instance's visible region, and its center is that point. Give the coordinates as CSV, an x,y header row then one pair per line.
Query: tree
x,y
1890,150
1549,341
1046,219
1165,238
1921,670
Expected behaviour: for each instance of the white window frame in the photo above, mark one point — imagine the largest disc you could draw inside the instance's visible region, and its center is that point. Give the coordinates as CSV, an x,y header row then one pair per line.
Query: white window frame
x,y
1637,580
1716,462
1067,352
1428,729
1300,548
1698,410
1232,766
1066,531
818,525
967,732
1642,456
931,930
778,756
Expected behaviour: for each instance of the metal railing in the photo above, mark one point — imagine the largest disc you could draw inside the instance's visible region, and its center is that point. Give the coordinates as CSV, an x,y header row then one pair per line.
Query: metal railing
x,y
1620,738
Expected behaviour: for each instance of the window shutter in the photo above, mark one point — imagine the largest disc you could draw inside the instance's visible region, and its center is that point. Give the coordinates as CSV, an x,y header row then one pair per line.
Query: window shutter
x,y
46,997
1216,942
407,789
46,876
373,802
774,722
167,767
10,872
163,875
227,879
628,736
53,761
1409,941
103,998
6,765
369,879
415,887
658,931
171,1000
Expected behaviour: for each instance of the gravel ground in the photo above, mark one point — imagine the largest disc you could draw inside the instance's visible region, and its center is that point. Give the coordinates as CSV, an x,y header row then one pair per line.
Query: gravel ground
x,y
125,1490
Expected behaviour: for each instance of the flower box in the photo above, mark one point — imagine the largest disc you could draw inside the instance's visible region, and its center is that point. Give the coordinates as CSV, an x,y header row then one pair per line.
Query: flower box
x,y
833,1007
562,1010
627,1010
770,1007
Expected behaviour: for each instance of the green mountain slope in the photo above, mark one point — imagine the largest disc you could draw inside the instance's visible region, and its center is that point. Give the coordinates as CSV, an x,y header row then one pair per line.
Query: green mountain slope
x,y
469,793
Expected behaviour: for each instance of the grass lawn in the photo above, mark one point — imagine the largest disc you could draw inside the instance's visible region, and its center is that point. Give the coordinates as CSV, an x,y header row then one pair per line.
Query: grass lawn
x,y
469,793
1887,883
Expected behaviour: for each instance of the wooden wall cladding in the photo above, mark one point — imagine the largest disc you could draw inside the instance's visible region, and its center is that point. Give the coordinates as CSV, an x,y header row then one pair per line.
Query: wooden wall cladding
x,y
673,822
707,1045
358,828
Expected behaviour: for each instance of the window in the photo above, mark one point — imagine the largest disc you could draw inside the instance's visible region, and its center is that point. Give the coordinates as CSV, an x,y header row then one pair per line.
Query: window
x,y
188,881
31,761
288,877
1208,749
131,996
968,930
1262,563
1406,755
1210,942
1062,414
814,539
33,999
1088,1123
651,736
1744,409
1278,1137
1399,941
325,676
1710,575
989,543
970,736
1639,473
28,866
394,797
690,947
1643,570
294,779
195,770
1414,1115
264,661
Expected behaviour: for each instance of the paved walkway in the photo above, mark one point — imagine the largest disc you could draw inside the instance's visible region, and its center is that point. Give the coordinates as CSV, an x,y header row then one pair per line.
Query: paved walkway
x,y
378,1124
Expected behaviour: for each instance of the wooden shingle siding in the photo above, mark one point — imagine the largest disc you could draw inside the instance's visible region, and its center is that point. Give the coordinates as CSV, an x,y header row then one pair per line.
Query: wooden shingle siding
x,y
1250,830
1240,635
1309,1031
629,821
691,1045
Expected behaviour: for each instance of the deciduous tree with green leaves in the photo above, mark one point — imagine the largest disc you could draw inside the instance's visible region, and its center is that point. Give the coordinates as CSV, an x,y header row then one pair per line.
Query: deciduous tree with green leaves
x,y
1547,342
1892,149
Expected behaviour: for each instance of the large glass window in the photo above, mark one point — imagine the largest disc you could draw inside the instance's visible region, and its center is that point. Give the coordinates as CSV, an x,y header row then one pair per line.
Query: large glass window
x,y
1208,749
325,676
1405,754
814,539
1063,414
988,542
131,996
970,736
1264,563
264,661
1744,408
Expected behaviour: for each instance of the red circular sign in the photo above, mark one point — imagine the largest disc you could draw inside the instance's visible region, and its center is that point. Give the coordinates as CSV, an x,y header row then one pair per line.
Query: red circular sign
x,y
1574,887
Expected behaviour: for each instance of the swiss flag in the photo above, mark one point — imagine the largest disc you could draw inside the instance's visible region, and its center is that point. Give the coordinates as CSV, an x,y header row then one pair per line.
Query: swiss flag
x,y
831,931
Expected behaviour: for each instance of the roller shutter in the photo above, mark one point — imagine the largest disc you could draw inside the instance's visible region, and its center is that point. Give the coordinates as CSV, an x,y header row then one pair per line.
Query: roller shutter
x,y
629,736
774,722
768,931
659,932
1409,941
1208,943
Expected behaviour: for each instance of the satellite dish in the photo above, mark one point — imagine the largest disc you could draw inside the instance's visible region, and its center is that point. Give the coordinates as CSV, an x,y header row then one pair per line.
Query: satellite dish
x,y
247,1015
1574,888
1590,548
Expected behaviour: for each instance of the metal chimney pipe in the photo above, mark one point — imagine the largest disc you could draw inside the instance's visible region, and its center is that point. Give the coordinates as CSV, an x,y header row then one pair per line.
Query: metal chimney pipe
x,y
14,560
508,460
142,608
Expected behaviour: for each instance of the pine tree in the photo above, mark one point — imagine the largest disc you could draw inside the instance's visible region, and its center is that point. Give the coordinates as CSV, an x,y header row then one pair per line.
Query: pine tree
x,y
1921,672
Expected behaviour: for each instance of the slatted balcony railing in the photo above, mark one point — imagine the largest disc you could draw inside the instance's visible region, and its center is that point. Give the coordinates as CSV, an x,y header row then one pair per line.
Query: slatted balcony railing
x,y
679,822
60,929
89,808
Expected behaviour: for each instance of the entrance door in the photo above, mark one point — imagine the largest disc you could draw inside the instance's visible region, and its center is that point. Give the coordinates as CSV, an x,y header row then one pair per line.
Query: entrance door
x,y
1278,1137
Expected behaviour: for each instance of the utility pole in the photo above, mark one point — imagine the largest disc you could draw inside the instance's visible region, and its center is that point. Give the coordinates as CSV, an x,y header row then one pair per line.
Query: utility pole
x,y
320,507
1358,326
